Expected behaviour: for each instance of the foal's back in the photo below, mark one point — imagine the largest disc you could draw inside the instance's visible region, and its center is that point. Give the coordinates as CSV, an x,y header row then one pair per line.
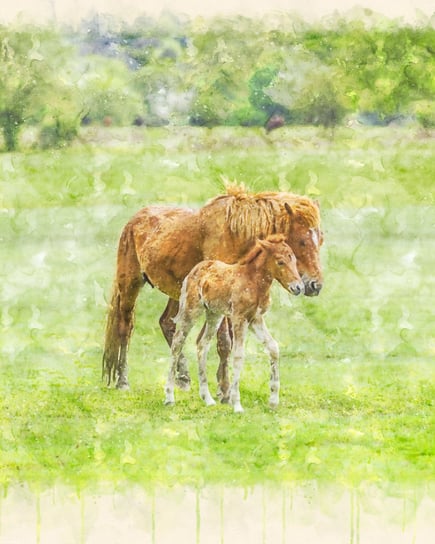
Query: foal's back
x,y
215,285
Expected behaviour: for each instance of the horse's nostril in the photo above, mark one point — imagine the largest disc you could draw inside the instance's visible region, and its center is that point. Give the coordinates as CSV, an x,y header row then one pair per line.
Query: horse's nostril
x,y
296,289
315,286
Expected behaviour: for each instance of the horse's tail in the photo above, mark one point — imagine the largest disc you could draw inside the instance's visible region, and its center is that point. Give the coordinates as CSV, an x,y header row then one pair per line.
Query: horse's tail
x,y
112,344
120,316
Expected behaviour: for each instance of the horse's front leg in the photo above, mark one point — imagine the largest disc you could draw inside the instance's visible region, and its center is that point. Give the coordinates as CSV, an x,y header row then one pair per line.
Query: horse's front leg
x,y
239,330
166,321
272,349
224,345
178,340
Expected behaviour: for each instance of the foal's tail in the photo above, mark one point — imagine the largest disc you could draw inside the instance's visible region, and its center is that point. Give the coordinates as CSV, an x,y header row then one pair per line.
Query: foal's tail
x,y
119,325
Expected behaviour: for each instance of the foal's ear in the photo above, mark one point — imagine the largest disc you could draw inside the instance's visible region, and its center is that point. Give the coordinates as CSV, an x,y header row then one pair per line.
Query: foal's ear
x,y
288,209
261,243
317,203
268,242
255,252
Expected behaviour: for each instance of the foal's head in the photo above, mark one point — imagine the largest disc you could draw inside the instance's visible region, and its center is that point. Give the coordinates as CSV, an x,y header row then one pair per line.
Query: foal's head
x,y
281,263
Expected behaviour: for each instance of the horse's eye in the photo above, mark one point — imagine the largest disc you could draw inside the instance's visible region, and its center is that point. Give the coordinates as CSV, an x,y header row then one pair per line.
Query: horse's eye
x,y
302,243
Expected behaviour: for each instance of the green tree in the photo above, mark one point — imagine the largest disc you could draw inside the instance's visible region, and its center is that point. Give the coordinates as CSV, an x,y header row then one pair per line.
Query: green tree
x,y
221,58
308,89
23,72
37,83
386,69
105,88
259,98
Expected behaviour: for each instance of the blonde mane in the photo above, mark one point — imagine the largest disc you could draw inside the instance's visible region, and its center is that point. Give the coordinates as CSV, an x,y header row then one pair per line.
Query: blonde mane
x,y
257,215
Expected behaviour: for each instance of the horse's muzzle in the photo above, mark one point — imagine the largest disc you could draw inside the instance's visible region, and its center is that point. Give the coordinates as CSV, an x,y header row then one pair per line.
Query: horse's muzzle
x,y
313,288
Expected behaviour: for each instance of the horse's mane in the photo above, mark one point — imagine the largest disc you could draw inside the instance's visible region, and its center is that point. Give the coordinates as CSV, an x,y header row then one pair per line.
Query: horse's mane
x,y
256,215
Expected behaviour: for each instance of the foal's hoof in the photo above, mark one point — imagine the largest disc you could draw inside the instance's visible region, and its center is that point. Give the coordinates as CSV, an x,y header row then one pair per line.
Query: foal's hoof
x,y
122,386
183,382
169,403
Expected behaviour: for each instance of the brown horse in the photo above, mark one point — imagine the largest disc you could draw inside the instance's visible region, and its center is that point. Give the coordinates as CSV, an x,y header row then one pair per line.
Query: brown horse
x,y
161,244
241,292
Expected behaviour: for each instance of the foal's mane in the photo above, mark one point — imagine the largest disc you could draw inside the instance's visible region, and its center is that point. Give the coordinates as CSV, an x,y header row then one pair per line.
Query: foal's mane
x,y
255,251
257,215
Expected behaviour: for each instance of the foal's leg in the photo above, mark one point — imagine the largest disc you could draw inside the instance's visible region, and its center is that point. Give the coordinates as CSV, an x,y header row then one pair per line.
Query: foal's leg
x,y
271,346
203,344
167,325
224,345
239,331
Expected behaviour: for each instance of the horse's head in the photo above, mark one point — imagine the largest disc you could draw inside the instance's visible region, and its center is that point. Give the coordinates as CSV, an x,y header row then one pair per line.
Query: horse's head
x,y
305,238
281,263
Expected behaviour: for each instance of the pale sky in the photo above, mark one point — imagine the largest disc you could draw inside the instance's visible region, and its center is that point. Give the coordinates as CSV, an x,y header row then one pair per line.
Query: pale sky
x,y
75,10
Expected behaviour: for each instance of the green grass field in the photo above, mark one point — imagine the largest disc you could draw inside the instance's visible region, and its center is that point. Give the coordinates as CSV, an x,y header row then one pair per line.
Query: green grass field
x,y
357,363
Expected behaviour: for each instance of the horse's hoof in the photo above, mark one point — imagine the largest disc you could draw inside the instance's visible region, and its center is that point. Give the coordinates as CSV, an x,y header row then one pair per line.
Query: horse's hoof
x,y
183,382
273,405
122,386
224,400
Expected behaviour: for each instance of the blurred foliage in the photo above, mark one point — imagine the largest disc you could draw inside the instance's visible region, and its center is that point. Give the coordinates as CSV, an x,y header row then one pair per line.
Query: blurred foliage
x,y
23,73
221,71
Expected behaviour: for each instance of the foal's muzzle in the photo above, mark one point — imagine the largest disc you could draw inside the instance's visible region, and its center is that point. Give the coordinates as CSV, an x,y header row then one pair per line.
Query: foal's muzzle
x,y
296,288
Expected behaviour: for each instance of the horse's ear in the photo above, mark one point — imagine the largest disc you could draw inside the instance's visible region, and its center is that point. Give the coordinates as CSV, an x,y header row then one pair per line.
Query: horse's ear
x,y
317,203
288,209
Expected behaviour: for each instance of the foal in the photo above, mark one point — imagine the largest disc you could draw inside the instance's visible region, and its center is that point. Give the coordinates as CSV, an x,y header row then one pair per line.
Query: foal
x,y
241,292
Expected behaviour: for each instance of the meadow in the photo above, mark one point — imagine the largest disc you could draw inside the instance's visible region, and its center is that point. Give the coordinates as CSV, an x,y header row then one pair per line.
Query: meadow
x,y
357,362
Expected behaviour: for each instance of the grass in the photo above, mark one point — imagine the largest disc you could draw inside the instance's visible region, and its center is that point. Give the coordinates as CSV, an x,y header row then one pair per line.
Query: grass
x,y
357,364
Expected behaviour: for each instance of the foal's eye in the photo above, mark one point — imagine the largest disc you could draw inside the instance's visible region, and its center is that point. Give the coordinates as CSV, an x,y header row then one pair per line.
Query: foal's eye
x,y
281,263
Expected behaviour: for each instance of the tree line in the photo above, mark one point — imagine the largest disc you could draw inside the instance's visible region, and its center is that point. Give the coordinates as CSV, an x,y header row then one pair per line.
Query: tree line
x,y
234,71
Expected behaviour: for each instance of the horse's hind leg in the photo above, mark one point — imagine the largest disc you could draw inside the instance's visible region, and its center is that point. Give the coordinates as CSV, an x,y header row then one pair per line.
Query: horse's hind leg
x,y
224,345
167,325
128,296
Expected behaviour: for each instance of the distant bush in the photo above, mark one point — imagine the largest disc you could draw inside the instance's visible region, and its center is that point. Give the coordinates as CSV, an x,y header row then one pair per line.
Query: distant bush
x,y
424,112
247,117
60,133
203,114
